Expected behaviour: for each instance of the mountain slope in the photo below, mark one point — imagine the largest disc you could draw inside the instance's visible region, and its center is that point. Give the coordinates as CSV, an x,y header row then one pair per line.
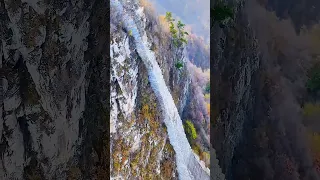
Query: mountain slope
x,y
127,50
261,67
54,99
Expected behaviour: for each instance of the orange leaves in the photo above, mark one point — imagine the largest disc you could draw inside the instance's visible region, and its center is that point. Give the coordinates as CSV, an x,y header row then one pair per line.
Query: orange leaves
x,y
148,6
208,108
164,24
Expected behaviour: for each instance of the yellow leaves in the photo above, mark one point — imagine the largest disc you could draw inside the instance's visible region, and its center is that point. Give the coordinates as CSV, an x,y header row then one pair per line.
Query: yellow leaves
x,y
314,139
145,108
208,108
116,161
164,23
168,148
203,155
116,166
206,158
196,149
310,109
207,97
145,111
120,153
134,163
149,113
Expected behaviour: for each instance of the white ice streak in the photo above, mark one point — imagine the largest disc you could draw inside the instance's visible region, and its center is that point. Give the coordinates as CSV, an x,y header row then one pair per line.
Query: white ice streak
x,y
187,164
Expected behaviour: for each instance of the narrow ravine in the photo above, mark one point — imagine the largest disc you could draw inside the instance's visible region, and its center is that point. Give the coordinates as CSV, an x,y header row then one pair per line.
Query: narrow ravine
x,y
188,165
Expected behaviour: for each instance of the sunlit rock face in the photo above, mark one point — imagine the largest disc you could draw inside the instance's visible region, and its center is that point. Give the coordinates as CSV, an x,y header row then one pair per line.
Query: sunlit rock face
x,y
146,107
139,142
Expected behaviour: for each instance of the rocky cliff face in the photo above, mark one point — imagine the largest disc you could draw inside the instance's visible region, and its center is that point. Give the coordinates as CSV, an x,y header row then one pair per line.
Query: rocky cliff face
x,y
54,94
235,66
258,85
149,93
139,141
302,12
54,101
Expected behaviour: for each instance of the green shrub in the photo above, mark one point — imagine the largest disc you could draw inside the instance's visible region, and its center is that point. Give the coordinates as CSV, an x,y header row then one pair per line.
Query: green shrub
x,y
196,148
190,130
207,88
313,84
178,34
179,65
310,109
221,12
169,17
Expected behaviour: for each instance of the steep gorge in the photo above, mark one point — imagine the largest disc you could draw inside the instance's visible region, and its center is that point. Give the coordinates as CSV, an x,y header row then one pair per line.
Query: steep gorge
x,y
260,66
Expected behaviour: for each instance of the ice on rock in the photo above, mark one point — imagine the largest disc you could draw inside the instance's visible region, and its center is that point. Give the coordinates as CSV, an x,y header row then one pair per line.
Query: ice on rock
x,y
188,166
